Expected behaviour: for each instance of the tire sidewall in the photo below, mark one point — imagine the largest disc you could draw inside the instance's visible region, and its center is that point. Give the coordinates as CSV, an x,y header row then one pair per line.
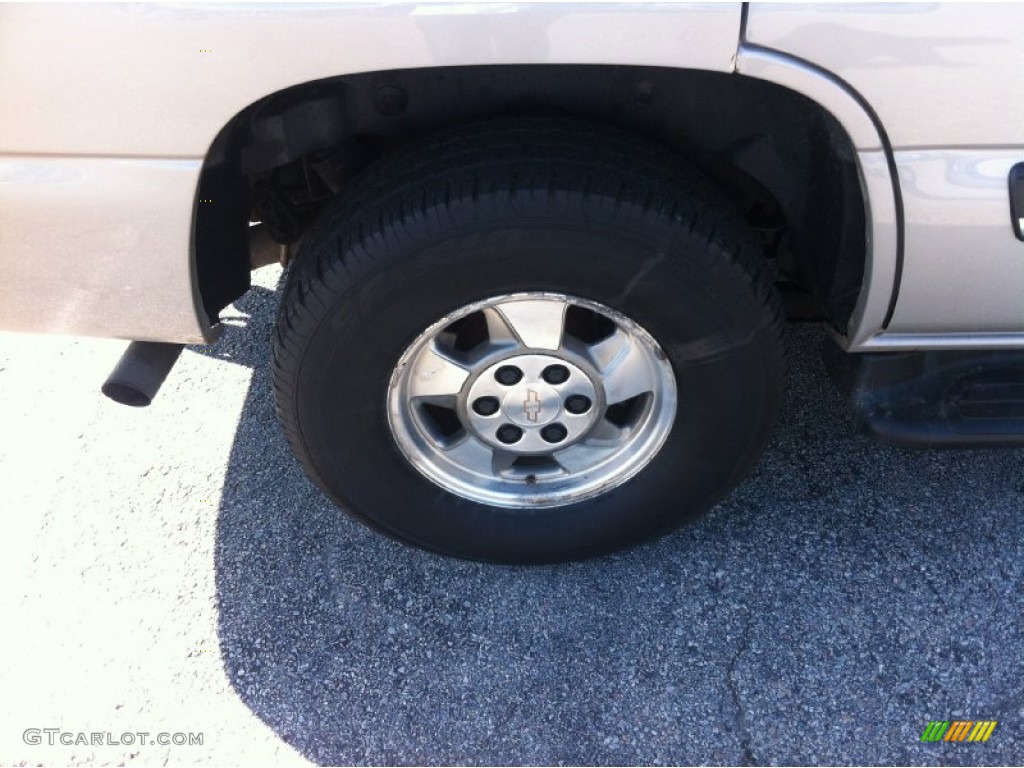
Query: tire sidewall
x,y
679,285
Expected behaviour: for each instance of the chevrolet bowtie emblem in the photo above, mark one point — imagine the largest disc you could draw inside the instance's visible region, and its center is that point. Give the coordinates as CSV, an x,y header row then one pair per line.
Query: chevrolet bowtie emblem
x,y
531,405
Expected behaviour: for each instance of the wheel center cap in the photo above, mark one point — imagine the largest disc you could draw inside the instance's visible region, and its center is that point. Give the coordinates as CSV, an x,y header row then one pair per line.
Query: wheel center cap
x,y
531,405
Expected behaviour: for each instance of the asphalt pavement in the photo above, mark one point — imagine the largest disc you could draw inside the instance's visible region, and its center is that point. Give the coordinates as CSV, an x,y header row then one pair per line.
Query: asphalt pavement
x,y
172,570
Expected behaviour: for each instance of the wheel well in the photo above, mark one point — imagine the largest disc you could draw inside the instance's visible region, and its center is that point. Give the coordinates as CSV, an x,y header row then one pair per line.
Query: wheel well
x,y
785,161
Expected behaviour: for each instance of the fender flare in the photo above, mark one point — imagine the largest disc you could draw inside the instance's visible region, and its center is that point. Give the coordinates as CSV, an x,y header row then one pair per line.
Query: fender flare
x,y
879,178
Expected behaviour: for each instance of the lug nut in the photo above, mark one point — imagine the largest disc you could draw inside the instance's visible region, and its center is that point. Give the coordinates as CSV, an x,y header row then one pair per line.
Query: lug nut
x,y
486,406
509,433
577,404
555,374
554,433
508,375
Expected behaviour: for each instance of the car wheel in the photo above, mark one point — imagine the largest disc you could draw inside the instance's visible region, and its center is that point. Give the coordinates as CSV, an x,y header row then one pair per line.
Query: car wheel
x,y
528,341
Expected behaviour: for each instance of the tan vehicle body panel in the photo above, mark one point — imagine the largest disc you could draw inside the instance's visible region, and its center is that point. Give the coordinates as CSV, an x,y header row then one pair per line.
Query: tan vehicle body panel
x,y
144,83
947,83
109,111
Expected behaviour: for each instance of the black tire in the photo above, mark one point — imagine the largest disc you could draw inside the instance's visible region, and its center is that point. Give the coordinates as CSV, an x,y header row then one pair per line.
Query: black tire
x,y
512,206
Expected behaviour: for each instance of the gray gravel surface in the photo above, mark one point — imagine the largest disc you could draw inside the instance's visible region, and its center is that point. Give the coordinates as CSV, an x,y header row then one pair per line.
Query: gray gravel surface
x,y
173,570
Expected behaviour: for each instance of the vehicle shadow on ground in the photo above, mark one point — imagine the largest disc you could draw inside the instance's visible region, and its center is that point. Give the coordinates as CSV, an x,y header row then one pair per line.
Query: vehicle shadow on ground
x,y
841,598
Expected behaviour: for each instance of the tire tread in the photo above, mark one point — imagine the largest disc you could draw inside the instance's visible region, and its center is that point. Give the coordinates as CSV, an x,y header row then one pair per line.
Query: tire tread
x,y
570,164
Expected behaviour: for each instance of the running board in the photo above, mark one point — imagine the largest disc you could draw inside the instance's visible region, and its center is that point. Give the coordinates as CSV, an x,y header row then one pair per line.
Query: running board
x,y
935,399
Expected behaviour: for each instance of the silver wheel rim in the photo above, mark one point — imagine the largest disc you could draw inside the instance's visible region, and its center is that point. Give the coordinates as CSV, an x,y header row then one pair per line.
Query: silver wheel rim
x,y
532,400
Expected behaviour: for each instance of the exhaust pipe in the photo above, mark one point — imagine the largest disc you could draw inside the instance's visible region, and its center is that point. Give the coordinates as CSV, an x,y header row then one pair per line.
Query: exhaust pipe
x,y
141,371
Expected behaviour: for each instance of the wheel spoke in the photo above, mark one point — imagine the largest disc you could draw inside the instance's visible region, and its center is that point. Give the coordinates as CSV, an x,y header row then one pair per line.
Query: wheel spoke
x,y
475,455
502,461
436,377
606,433
537,324
627,374
499,331
532,414
583,456
472,454
604,440
605,352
